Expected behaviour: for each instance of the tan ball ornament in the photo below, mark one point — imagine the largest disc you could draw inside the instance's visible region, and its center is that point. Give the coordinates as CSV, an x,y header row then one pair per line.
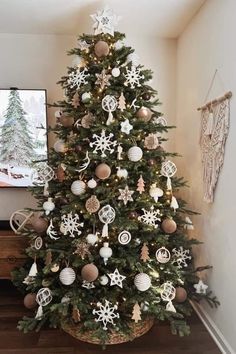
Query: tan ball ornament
x,y
89,272
181,294
169,226
103,171
66,121
30,301
144,113
92,204
101,49
39,224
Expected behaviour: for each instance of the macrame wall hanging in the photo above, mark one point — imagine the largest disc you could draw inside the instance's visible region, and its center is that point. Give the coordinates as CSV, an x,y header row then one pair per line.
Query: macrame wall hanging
x,y
215,118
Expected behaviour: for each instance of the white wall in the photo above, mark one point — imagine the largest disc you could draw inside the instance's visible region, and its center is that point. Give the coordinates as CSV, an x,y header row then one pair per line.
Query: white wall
x,y
38,61
208,44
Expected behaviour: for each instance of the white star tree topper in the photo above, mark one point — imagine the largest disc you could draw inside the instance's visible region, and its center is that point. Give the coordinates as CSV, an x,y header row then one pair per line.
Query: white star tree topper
x,y
105,21
180,257
150,217
116,278
106,313
103,143
71,224
125,195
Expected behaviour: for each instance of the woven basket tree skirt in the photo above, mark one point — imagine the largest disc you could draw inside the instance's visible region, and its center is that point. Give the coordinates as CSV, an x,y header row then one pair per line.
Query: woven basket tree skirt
x,y
137,330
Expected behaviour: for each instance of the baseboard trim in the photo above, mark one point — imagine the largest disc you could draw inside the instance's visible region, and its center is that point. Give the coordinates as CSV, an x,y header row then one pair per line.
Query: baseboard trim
x,y
213,330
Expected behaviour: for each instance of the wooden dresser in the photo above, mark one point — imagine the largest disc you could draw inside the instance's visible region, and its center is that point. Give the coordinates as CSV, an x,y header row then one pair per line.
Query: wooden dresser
x,y
12,255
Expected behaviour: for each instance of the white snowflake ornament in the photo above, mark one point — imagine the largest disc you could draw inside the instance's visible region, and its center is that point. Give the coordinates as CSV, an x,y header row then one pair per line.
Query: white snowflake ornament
x,y
180,257
103,143
71,224
125,195
200,287
150,217
126,127
116,278
106,313
77,78
133,77
105,21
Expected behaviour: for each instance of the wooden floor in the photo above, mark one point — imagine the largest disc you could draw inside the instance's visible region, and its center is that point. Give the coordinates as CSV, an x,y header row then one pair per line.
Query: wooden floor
x,y
158,341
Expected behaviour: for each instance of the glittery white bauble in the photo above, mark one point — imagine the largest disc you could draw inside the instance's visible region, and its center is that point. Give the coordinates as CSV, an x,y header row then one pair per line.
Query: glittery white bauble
x,y
135,153
86,96
78,187
142,281
105,252
92,239
103,280
67,276
48,206
115,72
92,183
60,146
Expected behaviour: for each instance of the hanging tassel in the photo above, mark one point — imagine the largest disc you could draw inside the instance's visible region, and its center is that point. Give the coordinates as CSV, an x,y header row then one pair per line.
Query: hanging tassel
x,y
39,313
168,183
110,118
45,189
210,124
105,230
174,204
170,307
189,224
33,270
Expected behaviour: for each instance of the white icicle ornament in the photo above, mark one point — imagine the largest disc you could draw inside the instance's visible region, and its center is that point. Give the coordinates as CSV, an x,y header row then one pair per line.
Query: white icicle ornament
x,y
155,192
105,252
48,206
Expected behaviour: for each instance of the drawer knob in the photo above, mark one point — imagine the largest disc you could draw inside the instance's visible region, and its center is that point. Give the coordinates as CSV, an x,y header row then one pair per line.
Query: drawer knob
x,y
11,259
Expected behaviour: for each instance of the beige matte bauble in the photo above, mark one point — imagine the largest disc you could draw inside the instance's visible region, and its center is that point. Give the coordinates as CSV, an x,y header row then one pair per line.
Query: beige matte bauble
x,y
30,301
92,205
66,121
60,146
169,226
101,49
181,294
39,224
103,171
144,113
89,272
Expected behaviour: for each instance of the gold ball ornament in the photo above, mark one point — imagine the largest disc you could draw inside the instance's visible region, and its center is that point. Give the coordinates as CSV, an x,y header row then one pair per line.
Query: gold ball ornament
x,y
89,272
169,226
92,205
30,301
66,121
39,224
181,294
144,113
101,49
103,171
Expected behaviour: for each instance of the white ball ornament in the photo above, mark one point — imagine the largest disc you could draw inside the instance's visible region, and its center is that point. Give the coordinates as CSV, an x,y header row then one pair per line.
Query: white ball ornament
x,y
103,280
142,281
86,96
78,187
105,252
135,153
48,206
60,146
92,239
92,183
67,276
115,72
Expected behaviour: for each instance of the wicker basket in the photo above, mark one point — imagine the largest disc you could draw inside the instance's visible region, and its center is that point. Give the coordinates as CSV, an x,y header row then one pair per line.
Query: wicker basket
x,y
137,330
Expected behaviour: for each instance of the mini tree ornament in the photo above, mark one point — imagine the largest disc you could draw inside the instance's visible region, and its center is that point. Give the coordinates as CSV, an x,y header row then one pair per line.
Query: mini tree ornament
x,y
103,79
103,171
48,206
168,294
76,314
115,72
71,224
106,313
126,195
75,100
180,257
124,237
109,104
121,173
150,217
168,170
78,187
105,252
155,192
145,253
135,153
169,226
67,276
103,143
106,215
122,102
60,146
116,278
142,281
151,141
92,204
21,219
133,77
92,183
43,298
180,295
30,301
86,97
89,272
136,313
126,127
103,280
163,255
144,113
200,287
141,185
92,239
77,78
51,232
82,249
48,258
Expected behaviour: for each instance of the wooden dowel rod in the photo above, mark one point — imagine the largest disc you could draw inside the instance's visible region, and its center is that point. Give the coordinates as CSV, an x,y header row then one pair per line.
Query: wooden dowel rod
x,y
218,100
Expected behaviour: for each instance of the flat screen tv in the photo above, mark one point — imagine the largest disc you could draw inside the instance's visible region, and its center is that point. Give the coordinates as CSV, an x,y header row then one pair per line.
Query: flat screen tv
x,y
23,139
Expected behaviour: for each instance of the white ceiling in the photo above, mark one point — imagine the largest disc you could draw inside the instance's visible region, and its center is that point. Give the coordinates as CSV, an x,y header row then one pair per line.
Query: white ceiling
x,y
164,18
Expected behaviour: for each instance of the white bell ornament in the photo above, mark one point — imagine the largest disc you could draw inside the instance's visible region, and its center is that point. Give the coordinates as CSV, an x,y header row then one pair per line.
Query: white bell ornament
x,y
105,252
155,192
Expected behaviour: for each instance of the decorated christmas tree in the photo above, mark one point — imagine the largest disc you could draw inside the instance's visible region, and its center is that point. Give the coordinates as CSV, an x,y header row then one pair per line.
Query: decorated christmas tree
x,y
16,146
109,240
